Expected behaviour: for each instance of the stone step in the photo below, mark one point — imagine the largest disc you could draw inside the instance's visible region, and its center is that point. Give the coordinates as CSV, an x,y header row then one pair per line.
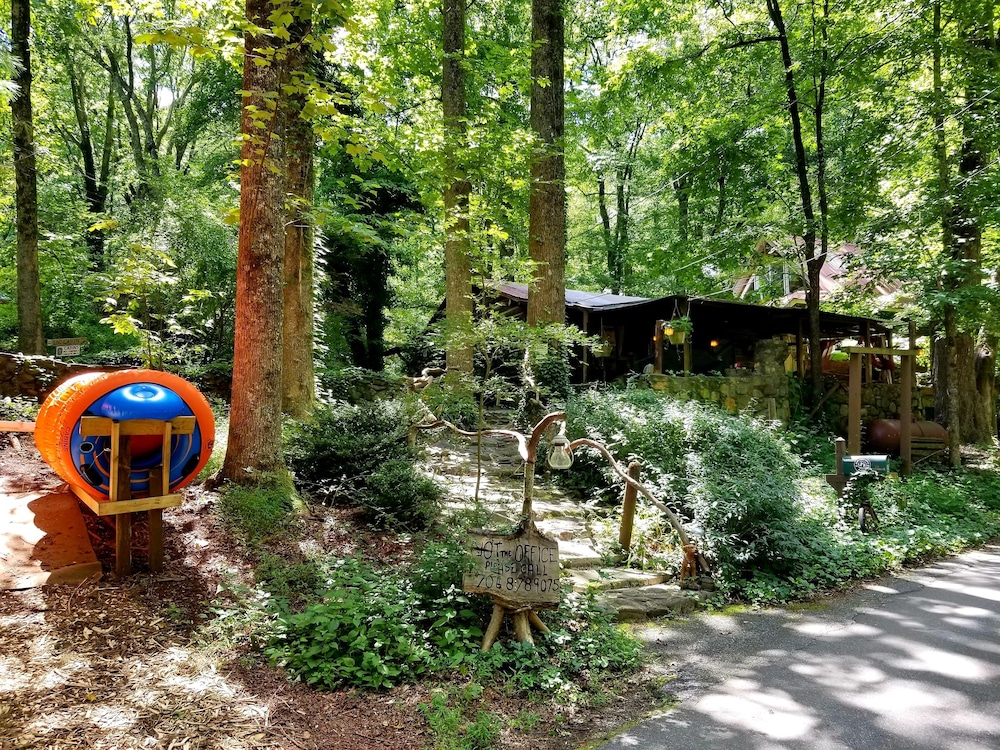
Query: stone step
x,y
606,579
642,603
579,553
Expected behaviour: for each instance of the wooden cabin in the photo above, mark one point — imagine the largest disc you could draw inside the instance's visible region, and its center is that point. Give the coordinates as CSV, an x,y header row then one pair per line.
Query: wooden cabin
x,y
722,338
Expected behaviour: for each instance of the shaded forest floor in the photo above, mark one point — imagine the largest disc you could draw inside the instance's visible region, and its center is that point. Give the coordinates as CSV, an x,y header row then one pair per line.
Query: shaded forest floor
x,y
125,663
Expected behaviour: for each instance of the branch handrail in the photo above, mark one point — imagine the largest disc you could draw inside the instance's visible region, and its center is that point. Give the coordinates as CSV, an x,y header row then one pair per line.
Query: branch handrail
x,y
527,448
671,516
522,441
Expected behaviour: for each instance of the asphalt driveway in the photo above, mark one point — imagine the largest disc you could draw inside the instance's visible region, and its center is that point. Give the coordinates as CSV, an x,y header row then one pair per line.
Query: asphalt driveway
x,y
908,662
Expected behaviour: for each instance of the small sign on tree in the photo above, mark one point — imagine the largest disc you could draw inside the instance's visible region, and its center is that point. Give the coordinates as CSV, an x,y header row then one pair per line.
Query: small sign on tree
x,y
68,347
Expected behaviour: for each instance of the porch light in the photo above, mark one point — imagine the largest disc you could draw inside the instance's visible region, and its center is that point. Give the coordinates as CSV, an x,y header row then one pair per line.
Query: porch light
x,y
560,456
713,343
668,329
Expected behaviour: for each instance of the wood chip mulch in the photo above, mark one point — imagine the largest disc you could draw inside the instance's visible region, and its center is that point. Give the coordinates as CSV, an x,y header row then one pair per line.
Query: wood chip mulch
x,y
119,664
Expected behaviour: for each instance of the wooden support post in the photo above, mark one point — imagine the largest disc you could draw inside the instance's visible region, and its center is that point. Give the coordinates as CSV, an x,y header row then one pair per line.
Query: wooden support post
x,y
524,619
628,508
854,406
800,352
522,628
585,359
155,540
493,629
868,360
121,490
687,356
905,413
535,620
658,348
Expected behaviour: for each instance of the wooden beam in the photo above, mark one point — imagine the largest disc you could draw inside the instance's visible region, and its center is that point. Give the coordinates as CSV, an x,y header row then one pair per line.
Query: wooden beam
x,y
112,508
17,426
879,350
854,406
102,426
658,348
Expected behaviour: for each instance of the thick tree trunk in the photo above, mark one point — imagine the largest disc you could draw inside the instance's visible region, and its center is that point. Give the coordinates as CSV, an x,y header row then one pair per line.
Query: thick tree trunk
x,y
298,390
966,387
965,397
547,203
255,419
457,245
947,395
30,338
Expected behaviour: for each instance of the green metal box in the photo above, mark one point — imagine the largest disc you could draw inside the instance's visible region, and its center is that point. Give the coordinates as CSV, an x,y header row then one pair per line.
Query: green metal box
x,y
854,464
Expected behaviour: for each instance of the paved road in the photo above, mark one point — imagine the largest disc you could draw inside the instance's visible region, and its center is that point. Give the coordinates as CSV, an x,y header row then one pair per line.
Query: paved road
x,y
906,663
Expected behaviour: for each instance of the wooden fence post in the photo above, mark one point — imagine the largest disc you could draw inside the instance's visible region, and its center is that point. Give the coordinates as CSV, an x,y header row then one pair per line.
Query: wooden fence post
x,y
628,507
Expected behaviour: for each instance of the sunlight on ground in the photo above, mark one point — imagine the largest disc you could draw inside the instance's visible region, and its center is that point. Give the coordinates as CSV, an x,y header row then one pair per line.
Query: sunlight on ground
x,y
786,719
142,698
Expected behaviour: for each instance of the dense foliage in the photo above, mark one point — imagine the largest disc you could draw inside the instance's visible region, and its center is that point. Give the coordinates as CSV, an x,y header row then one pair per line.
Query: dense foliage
x,y
358,453
679,151
345,622
771,527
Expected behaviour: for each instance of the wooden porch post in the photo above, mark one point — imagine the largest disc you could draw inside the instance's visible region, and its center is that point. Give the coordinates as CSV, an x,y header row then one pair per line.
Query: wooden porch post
x,y
658,348
854,406
905,415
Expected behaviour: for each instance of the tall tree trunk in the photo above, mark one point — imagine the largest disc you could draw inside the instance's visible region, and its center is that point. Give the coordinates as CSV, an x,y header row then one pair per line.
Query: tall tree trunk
x,y
814,260
547,201
615,237
255,427
967,410
30,338
95,181
457,245
298,390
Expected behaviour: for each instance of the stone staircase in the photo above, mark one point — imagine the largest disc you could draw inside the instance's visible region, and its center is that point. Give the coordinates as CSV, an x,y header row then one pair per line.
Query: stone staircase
x,y
631,594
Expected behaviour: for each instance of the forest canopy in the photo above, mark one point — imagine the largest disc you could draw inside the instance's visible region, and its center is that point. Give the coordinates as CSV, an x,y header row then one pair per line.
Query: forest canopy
x,y
693,133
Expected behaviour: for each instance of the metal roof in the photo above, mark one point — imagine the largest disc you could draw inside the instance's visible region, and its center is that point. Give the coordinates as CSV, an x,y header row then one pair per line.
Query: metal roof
x,y
590,301
734,315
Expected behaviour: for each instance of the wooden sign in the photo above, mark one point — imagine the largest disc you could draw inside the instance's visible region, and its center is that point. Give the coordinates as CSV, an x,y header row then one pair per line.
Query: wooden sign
x,y
70,350
67,342
519,569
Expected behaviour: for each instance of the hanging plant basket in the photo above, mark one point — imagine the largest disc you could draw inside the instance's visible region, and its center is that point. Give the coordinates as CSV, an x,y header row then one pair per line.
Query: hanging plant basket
x,y
677,329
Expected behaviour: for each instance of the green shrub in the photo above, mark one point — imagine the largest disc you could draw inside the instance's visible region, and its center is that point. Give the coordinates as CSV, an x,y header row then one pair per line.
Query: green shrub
x,y
359,453
372,630
397,495
730,474
346,440
375,628
773,531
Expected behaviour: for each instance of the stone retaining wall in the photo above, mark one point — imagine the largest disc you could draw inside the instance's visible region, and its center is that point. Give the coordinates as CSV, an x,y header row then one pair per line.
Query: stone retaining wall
x,y
34,376
765,391
762,391
880,401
